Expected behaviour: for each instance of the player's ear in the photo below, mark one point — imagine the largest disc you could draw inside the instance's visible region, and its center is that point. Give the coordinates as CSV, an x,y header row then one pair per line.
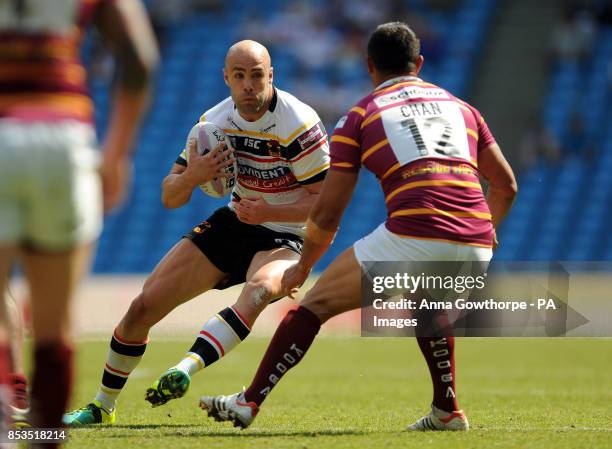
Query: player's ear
x,y
419,64
271,75
225,77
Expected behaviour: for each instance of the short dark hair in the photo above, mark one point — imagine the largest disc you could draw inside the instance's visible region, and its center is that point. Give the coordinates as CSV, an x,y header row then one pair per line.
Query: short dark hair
x,y
394,48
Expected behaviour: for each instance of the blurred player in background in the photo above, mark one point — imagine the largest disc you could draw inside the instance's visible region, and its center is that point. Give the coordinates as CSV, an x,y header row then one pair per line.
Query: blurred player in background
x,y
17,379
282,153
51,198
427,148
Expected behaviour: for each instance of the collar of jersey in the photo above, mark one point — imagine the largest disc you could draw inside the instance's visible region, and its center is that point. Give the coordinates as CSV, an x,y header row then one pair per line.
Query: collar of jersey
x,y
398,79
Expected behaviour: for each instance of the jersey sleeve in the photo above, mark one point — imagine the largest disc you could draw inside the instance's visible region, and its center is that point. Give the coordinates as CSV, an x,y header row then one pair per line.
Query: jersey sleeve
x,y
182,158
308,154
345,147
485,136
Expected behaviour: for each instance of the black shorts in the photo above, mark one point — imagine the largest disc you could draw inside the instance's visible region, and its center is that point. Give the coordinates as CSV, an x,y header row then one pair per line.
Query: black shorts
x,y
231,244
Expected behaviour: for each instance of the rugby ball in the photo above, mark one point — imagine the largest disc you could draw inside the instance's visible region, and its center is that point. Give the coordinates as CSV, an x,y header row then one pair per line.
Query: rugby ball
x,y
208,136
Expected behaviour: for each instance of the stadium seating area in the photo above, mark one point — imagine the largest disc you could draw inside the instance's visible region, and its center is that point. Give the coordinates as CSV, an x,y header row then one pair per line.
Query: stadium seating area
x,y
562,211
543,225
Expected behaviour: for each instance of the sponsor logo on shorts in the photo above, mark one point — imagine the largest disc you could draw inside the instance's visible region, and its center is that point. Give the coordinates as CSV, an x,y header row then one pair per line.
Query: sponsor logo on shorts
x,y
199,229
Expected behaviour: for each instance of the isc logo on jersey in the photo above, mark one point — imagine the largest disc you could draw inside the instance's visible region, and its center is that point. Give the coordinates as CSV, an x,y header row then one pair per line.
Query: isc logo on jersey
x,y
209,136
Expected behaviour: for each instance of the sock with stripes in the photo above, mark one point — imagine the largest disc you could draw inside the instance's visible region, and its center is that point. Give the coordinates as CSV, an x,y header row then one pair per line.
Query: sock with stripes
x,y
222,333
121,360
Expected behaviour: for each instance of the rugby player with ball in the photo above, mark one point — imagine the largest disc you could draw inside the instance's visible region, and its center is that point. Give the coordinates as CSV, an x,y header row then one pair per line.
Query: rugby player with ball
x,y
282,156
428,148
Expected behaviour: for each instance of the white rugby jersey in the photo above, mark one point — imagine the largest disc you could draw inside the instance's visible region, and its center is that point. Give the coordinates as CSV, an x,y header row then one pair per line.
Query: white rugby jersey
x,y
277,154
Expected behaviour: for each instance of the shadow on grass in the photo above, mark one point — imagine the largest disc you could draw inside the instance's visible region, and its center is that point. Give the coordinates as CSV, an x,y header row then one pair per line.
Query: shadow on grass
x,y
187,430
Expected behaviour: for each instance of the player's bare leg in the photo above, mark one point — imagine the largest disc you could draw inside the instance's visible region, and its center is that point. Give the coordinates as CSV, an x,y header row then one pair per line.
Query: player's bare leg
x,y
230,326
184,273
263,282
14,309
337,290
17,379
52,278
7,255
438,349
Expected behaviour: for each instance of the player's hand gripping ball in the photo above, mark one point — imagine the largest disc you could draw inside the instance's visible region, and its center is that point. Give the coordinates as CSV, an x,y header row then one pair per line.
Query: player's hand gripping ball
x,y
208,137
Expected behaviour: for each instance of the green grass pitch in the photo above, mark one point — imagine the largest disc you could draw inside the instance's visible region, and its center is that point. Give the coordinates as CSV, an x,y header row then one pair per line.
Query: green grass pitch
x,y
362,392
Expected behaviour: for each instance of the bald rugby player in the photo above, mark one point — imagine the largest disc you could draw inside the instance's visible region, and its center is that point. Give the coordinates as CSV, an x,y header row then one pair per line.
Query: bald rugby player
x,y
282,153
427,148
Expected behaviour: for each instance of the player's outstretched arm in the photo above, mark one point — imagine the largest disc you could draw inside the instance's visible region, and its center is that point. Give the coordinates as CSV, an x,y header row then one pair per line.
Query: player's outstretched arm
x,y
502,183
322,225
127,30
326,213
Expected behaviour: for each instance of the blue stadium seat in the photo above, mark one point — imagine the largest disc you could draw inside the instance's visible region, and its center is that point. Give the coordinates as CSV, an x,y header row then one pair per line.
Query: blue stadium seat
x,y
137,236
572,210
